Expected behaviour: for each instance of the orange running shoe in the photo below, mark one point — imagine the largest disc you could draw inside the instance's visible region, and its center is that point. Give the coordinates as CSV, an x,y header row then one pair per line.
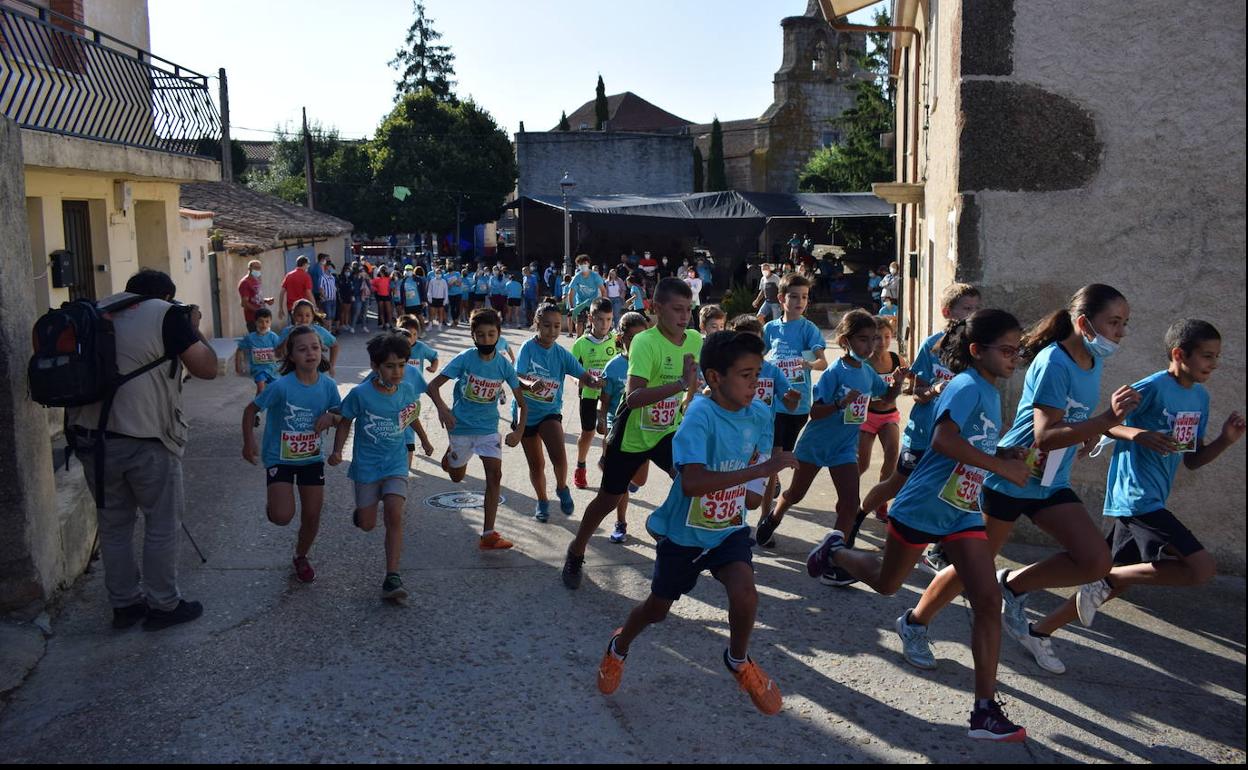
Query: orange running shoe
x,y
611,669
494,542
755,682
579,479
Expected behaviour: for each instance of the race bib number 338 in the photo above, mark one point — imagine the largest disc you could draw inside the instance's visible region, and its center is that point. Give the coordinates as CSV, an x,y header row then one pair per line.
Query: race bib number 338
x,y
722,509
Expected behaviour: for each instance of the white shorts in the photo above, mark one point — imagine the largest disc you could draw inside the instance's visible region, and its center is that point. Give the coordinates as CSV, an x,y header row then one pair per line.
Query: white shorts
x,y
464,447
758,486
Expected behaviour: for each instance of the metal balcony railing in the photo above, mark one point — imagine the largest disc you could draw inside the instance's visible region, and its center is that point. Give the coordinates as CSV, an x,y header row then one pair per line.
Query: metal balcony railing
x,y
61,76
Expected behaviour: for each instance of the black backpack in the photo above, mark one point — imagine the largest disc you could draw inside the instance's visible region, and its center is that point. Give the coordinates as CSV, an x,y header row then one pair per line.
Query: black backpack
x,y
75,364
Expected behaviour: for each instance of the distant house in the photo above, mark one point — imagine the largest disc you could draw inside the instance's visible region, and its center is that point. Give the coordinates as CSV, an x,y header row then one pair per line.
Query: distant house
x,y
253,225
626,112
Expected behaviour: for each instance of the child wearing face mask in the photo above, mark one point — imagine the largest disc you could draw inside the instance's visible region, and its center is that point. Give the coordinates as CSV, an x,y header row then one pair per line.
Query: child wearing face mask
x,y
585,287
438,291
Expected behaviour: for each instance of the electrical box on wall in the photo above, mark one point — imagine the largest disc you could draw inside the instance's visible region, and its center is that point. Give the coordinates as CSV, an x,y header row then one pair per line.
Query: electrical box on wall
x,y
123,195
62,269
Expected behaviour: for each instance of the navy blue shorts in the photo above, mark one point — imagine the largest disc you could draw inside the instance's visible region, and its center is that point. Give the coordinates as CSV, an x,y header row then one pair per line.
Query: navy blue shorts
x,y
677,567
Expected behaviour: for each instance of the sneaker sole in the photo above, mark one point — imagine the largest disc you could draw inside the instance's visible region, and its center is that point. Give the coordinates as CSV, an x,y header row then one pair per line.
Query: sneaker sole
x,y
984,735
818,557
827,581
398,597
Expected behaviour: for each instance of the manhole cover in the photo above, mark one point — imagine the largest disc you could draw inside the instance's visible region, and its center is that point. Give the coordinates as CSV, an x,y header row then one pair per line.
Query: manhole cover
x,y
454,501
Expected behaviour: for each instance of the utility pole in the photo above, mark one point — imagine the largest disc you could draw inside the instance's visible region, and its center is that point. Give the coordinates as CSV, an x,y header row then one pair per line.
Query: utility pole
x,y
459,203
227,157
308,176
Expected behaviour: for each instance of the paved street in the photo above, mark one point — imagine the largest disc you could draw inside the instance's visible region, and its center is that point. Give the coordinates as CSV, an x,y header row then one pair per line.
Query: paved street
x,y
495,661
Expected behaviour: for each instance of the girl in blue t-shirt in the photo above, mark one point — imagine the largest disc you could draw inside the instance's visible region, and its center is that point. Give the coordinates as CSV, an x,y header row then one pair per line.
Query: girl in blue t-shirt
x,y
614,385
940,503
543,364
302,405
830,439
304,313
1053,421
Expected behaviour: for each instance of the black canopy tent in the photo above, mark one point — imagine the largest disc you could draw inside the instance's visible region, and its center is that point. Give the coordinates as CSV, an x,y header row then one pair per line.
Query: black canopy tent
x,y
732,225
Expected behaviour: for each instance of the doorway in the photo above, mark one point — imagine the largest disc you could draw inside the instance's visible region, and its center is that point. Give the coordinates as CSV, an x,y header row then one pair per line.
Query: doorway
x,y
77,221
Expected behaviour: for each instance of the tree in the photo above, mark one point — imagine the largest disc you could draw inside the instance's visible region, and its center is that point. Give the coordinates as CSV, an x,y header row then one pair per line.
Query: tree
x,y
601,114
716,176
563,122
238,156
522,126
699,183
422,63
446,154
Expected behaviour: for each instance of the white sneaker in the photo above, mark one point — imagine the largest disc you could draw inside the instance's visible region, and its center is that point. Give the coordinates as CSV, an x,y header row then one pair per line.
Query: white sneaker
x,y
1041,648
1013,609
1090,598
366,330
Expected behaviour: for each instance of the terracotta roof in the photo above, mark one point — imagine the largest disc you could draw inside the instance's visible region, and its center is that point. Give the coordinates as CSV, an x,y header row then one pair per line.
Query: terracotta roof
x,y
253,222
259,153
626,112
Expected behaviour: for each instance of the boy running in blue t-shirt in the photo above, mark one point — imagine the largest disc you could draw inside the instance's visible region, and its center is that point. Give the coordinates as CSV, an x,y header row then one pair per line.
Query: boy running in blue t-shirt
x,y
260,348
702,524
384,406
480,375
1149,545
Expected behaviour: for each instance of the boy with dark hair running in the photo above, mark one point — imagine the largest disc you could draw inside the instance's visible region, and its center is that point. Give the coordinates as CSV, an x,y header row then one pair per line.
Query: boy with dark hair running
x,y
702,524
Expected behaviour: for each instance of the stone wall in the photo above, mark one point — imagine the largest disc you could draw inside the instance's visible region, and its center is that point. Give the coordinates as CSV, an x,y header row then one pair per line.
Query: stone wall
x,y
604,163
1107,146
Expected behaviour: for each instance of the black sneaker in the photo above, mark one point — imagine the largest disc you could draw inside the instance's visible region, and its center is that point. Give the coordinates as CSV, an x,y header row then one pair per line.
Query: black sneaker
x,y
125,617
392,588
572,574
764,534
185,612
835,576
990,723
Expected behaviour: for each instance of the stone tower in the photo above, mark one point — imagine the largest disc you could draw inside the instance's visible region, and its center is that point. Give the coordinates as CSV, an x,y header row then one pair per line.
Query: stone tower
x,y
811,88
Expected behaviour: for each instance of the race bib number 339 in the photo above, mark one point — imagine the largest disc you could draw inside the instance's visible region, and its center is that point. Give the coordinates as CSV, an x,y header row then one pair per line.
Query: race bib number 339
x,y
659,415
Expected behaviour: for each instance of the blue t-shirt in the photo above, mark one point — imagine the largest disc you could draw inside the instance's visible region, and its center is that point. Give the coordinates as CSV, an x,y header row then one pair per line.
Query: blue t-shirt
x,y
1053,380
722,441
290,436
1139,478
584,288
887,311
514,289
454,283
638,297
941,495
414,377
833,440
381,423
786,341
560,290
498,285
422,352
547,367
470,281
530,287
483,283
927,367
615,382
411,290
327,339
478,384
772,385
261,358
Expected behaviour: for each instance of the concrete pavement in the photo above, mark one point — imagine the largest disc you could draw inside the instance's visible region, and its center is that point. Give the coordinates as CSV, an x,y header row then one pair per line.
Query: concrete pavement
x,y
495,661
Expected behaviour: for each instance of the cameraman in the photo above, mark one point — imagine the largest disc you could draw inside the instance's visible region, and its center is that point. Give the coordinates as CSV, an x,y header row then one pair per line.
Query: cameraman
x,y
142,452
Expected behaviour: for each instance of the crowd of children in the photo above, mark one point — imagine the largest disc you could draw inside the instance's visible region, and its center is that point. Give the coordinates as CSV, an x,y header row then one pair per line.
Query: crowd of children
x,y
725,411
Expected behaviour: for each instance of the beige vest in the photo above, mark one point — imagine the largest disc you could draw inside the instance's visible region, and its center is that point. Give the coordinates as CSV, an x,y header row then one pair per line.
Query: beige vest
x,y
150,405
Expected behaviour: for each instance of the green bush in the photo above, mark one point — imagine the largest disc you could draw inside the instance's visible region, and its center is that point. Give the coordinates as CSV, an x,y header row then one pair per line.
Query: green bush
x,y
737,300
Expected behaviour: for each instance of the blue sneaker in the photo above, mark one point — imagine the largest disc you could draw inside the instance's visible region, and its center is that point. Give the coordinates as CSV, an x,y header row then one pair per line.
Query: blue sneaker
x,y
633,488
1013,610
543,511
565,501
915,647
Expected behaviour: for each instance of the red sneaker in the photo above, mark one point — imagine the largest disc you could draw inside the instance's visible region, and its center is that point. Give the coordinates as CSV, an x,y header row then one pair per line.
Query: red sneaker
x,y
303,569
579,479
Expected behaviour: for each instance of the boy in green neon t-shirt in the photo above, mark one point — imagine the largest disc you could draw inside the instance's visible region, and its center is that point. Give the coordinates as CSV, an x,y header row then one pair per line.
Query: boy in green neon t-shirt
x,y
593,350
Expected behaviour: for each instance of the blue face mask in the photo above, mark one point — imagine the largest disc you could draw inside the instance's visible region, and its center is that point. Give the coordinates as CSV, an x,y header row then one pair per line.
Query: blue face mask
x,y
858,358
1100,346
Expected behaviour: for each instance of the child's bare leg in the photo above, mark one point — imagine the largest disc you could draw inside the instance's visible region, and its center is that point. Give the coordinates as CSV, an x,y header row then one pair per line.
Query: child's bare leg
x,y
537,465
551,433
394,531
947,585
652,610
866,441
493,486
890,440
884,574
802,478
845,479
280,503
738,580
366,517
310,500
884,491
973,559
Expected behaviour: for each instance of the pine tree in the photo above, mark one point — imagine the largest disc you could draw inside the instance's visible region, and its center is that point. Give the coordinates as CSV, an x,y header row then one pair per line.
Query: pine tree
x,y
422,63
716,176
522,126
699,182
563,122
601,114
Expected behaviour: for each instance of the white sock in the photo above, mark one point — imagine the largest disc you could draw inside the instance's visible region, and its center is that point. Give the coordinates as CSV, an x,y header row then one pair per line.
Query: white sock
x,y
736,664
616,653
486,532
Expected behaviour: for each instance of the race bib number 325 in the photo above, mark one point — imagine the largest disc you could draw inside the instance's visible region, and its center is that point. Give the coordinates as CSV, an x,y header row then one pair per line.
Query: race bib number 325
x,y
300,445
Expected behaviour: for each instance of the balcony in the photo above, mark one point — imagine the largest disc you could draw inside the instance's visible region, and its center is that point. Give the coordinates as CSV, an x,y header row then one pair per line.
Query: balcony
x,y
61,77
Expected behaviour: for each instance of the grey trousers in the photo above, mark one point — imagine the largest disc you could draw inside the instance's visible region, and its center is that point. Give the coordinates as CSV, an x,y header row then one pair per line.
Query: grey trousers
x,y
138,475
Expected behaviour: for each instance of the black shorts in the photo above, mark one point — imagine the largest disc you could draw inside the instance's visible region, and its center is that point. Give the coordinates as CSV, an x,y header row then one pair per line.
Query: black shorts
x,y
589,414
1003,507
480,297
908,460
531,430
453,301
1140,539
310,475
439,302
513,302
677,567
411,447
619,466
788,428
917,538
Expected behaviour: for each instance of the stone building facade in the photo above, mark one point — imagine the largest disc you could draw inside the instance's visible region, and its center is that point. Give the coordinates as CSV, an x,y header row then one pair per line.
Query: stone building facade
x,y
1041,147
604,162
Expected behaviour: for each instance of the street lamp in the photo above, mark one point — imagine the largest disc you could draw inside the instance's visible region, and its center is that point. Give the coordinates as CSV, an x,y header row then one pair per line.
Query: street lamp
x,y
567,185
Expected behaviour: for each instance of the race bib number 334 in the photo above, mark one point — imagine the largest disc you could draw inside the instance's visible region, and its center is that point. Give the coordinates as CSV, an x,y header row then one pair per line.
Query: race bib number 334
x,y
961,490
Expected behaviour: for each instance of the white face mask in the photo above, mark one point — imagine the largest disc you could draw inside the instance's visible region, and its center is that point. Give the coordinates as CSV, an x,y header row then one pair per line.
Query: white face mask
x,y
255,274
584,269
1099,346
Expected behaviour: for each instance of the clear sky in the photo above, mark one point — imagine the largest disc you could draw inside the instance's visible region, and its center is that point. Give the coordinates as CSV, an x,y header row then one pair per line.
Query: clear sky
x,y
523,60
